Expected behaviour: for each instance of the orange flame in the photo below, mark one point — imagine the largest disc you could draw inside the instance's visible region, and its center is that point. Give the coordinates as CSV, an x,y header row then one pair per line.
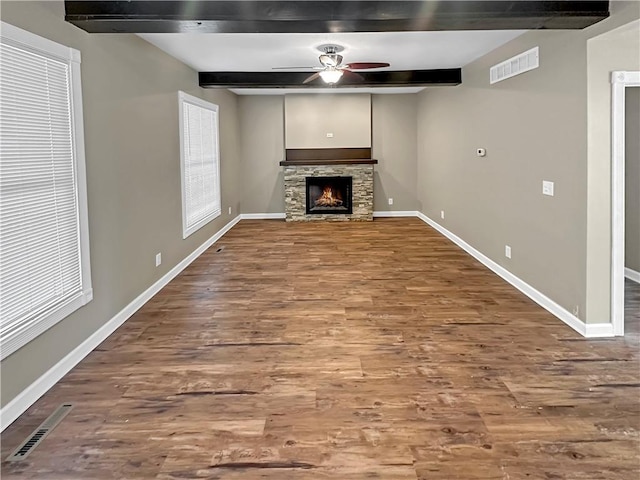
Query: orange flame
x,y
329,198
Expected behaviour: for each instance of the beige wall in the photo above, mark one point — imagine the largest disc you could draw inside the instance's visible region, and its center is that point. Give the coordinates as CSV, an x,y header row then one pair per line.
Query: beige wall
x,y
632,183
534,128
130,105
607,51
394,145
262,132
310,117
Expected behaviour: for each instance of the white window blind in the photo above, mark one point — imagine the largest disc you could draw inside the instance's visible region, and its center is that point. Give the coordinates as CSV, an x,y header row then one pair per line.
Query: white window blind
x,y
200,162
42,278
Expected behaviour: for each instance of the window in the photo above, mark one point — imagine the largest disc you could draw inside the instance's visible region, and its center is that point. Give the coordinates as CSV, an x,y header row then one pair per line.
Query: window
x,y
200,163
44,243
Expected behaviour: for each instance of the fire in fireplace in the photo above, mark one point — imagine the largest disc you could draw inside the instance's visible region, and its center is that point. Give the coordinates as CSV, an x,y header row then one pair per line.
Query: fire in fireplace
x,y
328,195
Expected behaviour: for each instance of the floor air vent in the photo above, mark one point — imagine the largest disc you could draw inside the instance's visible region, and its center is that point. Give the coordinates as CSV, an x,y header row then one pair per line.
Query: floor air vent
x,y
40,433
515,66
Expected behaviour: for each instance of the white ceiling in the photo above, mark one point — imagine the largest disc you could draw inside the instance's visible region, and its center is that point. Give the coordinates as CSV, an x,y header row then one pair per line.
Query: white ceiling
x,y
245,52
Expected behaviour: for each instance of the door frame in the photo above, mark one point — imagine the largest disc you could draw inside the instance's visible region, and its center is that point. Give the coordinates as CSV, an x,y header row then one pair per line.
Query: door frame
x,y
620,80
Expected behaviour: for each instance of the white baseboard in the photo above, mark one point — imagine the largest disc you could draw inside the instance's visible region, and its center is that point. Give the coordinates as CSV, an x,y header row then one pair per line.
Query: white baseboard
x,y
273,216
597,330
588,330
262,216
632,274
33,392
400,213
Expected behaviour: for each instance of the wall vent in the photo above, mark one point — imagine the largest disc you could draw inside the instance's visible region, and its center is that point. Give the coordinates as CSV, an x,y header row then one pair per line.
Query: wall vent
x,y
515,66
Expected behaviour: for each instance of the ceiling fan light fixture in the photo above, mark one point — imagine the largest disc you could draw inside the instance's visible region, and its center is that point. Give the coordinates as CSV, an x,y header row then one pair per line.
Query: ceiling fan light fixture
x,y
331,76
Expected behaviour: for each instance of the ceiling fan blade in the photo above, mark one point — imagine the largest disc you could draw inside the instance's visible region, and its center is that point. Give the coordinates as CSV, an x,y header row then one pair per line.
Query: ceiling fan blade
x,y
352,76
365,65
311,78
295,68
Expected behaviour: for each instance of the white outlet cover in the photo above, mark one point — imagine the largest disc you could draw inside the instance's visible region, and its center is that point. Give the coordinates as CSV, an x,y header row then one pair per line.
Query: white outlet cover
x,y
329,135
158,259
442,214
507,251
547,188
391,201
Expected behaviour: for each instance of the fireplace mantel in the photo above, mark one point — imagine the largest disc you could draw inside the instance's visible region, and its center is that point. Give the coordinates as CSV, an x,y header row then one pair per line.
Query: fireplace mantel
x,y
328,156
342,161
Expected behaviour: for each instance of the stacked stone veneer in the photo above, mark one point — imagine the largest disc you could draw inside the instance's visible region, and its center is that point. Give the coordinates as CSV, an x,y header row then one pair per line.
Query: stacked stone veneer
x,y
361,191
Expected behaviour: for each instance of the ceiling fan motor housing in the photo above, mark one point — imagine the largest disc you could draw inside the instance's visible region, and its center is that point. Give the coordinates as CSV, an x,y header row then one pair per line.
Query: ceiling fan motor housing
x,y
330,59
330,56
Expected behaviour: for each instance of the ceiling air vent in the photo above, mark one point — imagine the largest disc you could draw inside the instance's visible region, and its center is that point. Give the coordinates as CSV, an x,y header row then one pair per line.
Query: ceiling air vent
x,y
515,66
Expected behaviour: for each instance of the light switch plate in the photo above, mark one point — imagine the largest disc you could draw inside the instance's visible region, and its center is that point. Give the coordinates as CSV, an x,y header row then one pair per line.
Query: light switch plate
x,y
547,188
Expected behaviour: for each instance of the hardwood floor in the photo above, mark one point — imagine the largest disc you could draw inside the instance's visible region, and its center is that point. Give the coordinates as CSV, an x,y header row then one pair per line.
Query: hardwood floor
x,y
342,351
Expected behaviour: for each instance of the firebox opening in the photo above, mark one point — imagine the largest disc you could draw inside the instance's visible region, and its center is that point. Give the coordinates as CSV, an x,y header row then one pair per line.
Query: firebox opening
x,y
328,195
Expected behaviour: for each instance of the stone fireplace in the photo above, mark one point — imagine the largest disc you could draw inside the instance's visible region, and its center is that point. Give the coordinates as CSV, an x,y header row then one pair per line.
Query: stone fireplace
x,y
321,184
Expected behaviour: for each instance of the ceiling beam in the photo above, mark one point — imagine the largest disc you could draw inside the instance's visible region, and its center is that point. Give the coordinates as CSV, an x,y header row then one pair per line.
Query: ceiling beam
x,y
296,16
399,78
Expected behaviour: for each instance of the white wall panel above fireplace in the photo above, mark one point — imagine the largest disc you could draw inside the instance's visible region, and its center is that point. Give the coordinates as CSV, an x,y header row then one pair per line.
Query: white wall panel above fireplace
x,y
328,121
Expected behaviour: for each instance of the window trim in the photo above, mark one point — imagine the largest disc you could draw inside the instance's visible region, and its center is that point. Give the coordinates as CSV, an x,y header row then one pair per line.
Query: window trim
x,y
39,324
186,98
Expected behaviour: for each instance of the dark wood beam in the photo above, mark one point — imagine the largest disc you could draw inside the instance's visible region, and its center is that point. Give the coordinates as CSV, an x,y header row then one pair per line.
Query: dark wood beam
x,y
399,78
295,16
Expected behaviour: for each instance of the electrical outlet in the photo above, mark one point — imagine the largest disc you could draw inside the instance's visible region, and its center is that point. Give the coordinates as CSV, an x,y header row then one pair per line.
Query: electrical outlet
x,y
329,135
442,214
547,188
391,201
481,152
229,210
507,251
158,259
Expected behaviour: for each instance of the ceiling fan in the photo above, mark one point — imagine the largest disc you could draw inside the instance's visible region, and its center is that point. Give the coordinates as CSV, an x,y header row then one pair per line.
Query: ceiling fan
x,y
332,68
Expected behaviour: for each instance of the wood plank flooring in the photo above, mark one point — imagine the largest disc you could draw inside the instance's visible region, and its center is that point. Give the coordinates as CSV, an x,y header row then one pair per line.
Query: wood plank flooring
x,y
341,351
